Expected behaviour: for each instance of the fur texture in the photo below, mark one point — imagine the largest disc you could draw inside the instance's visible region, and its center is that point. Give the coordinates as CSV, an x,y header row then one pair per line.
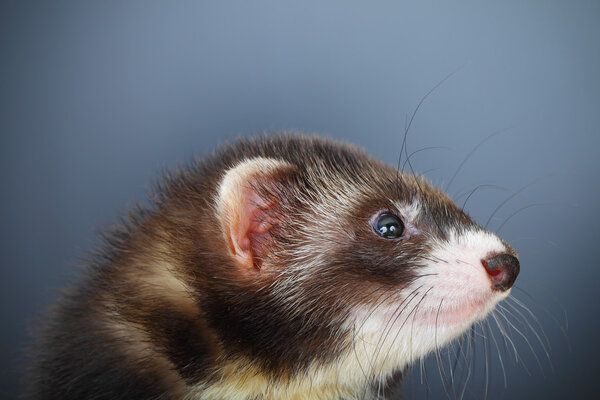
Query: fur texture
x,y
327,309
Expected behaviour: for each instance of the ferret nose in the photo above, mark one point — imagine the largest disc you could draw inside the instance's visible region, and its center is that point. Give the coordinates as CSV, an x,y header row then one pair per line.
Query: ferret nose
x,y
503,270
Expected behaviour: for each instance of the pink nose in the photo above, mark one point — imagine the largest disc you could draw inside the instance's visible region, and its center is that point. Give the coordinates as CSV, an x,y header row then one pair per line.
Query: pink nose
x,y
503,270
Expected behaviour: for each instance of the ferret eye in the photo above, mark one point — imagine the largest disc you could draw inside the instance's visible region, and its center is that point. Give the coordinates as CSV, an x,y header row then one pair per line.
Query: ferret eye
x,y
389,226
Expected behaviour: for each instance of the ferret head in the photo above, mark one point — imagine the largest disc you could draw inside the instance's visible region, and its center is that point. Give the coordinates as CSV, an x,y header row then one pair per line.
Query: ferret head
x,y
338,260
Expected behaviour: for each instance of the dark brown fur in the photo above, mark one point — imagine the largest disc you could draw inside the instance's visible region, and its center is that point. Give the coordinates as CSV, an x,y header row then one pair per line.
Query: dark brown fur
x,y
119,334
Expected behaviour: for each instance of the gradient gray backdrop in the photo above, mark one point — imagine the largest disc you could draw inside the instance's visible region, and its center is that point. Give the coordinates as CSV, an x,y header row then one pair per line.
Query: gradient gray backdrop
x,y
96,98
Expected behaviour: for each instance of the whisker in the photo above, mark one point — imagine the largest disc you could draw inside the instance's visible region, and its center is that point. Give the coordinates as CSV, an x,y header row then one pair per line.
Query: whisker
x,y
423,149
562,328
362,325
471,365
402,325
413,311
401,307
550,242
529,345
516,301
390,322
487,366
537,359
472,152
499,355
458,354
515,194
476,189
507,337
357,358
407,127
437,353
523,209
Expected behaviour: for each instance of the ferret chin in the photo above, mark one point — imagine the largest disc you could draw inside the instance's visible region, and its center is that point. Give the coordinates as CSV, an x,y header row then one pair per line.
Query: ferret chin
x,y
280,267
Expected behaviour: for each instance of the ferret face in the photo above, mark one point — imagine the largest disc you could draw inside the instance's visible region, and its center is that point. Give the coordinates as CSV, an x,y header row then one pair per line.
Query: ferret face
x,y
354,264
279,268
437,261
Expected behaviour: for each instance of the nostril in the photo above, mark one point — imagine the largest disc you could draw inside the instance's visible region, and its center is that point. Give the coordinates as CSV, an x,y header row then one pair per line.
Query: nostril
x,y
503,270
494,272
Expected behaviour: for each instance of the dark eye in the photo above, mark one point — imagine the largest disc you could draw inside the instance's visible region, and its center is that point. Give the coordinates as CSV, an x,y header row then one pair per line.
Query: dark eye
x,y
389,226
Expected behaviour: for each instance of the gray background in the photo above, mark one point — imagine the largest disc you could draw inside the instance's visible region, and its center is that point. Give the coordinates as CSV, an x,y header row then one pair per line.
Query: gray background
x,y
96,98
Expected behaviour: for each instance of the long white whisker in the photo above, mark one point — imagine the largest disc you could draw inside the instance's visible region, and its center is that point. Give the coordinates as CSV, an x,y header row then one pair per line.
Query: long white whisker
x,y
499,354
531,328
525,339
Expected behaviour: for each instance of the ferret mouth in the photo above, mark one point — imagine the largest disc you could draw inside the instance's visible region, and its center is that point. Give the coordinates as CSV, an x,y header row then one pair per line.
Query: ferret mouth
x,y
439,313
453,315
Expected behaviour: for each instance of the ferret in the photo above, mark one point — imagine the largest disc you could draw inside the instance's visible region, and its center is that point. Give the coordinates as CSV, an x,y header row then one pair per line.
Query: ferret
x,y
279,267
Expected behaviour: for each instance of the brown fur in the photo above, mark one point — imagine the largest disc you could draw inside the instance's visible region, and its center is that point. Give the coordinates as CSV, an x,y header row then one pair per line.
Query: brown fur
x,y
164,312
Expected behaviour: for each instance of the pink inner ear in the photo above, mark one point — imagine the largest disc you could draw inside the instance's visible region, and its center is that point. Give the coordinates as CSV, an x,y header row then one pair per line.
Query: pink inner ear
x,y
250,234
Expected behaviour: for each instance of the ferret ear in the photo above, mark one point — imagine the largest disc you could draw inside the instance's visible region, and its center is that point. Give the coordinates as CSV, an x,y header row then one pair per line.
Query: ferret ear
x,y
248,205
